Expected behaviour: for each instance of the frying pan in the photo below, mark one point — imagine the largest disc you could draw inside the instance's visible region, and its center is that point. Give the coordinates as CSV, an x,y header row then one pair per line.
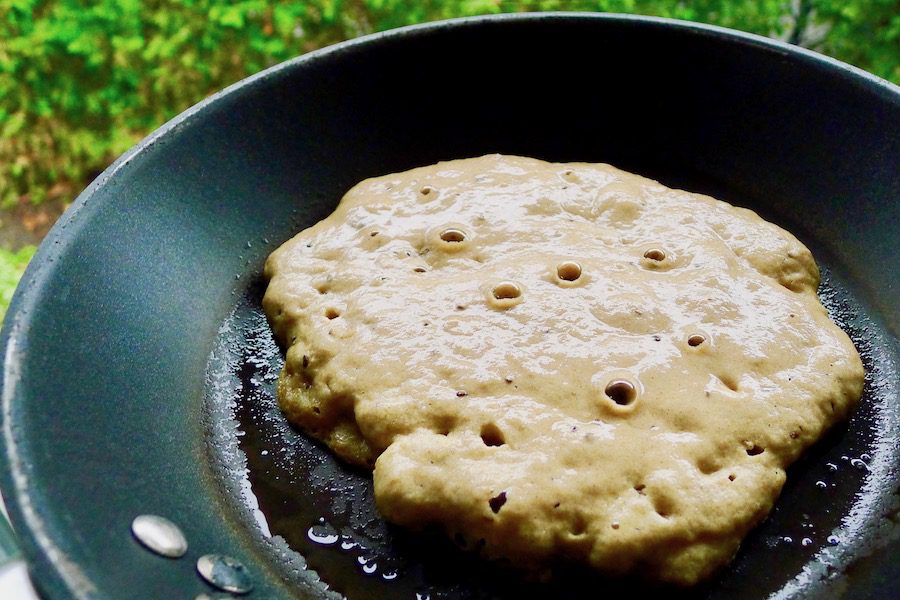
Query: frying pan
x,y
137,373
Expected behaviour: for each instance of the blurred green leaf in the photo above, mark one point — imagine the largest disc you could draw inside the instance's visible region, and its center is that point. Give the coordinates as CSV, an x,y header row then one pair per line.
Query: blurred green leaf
x,y
13,125
12,265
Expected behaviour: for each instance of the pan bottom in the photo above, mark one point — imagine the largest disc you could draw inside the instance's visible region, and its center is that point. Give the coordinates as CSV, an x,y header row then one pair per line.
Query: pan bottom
x,y
316,516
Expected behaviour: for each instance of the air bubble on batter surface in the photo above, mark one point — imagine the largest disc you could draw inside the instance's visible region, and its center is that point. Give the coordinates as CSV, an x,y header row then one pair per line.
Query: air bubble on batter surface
x,y
506,291
621,391
453,235
655,254
663,505
753,449
505,294
695,340
569,175
729,381
707,465
450,238
491,435
579,526
617,392
568,272
656,257
497,502
372,237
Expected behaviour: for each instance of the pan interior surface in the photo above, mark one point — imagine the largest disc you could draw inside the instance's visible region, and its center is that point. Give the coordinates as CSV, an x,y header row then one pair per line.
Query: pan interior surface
x,y
138,368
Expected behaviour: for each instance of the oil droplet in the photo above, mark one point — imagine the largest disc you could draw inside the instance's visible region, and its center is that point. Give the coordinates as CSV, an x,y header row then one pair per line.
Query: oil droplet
x,y
389,575
347,543
831,467
805,542
821,485
370,568
225,573
159,535
321,535
787,540
422,596
834,540
857,463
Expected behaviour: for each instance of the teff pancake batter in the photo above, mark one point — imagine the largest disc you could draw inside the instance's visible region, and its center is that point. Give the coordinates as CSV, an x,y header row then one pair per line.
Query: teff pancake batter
x,y
560,361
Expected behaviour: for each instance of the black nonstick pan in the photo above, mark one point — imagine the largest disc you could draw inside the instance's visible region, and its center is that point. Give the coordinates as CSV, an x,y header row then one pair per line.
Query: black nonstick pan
x,y
138,369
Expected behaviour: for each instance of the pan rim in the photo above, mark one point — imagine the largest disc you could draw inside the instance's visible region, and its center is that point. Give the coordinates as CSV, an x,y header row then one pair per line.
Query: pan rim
x,y
56,573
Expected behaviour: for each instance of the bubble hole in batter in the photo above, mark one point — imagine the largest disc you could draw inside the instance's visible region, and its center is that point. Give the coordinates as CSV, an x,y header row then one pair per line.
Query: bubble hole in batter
x,y
568,271
663,505
491,435
728,381
695,340
497,502
506,290
655,254
504,295
707,465
452,235
754,450
578,526
621,391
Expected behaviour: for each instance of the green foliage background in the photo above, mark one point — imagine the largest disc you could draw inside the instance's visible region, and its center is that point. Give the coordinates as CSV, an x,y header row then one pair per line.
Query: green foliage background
x,y
12,265
81,81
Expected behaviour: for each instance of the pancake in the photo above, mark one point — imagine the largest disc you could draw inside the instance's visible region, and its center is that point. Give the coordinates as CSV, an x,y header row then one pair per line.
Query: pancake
x,y
560,362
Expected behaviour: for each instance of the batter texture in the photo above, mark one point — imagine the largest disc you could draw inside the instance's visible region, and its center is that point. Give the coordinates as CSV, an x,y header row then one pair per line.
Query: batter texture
x,y
560,362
